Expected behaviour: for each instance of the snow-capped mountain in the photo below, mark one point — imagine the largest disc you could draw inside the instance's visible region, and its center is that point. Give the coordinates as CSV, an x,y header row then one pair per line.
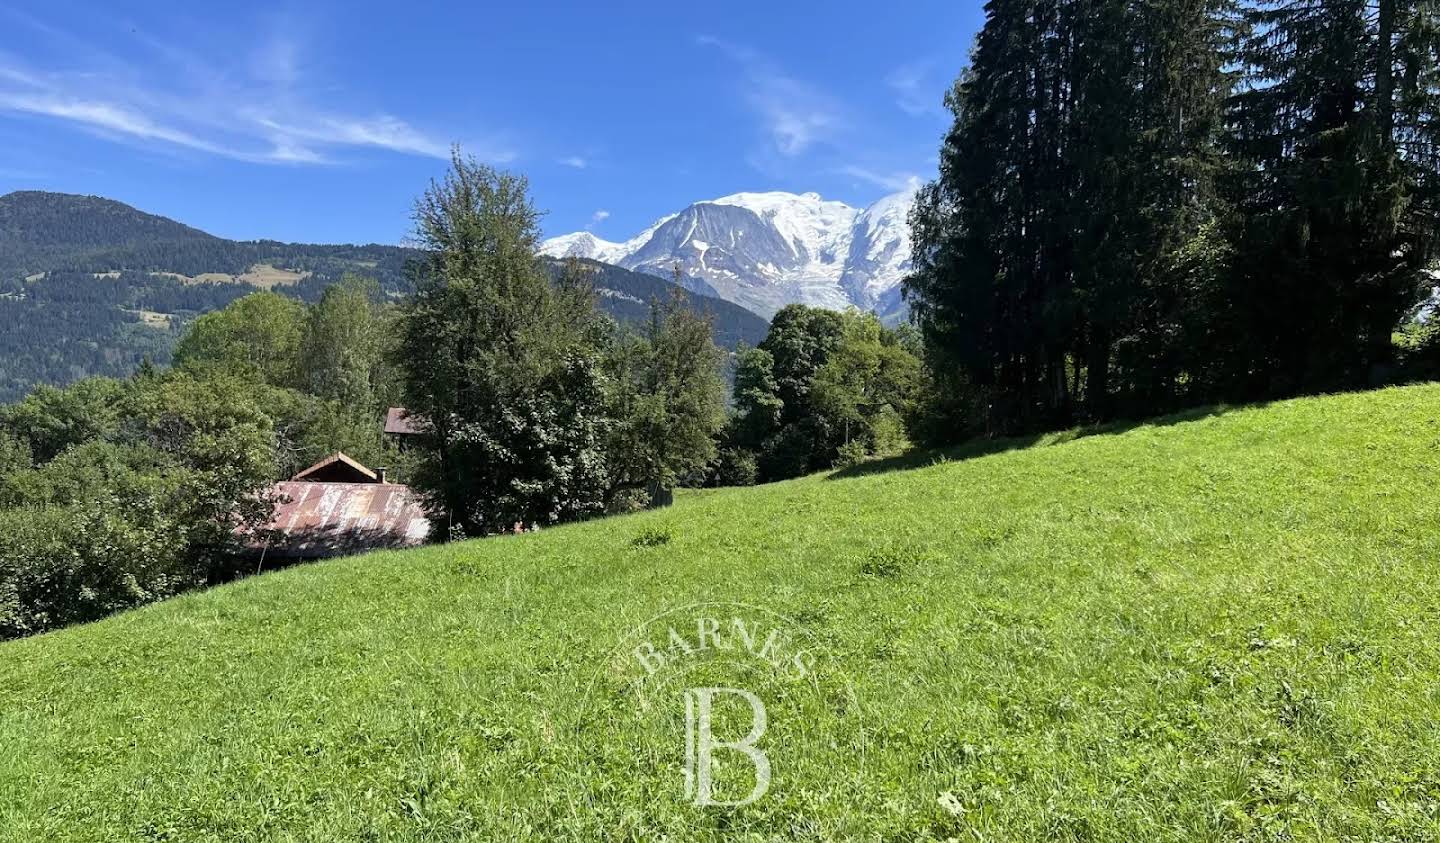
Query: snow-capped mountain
x,y
766,250
583,244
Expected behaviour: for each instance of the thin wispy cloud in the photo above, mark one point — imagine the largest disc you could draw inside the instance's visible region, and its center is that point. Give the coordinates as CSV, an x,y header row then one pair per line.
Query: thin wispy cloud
x,y
917,89
381,131
575,162
893,182
10,74
105,117
809,130
277,61
597,218
257,111
795,114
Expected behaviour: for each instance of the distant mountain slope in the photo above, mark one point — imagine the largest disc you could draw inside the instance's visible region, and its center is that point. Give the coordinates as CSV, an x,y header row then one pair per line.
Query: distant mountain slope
x,y
57,232
766,250
37,229
91,286
627,295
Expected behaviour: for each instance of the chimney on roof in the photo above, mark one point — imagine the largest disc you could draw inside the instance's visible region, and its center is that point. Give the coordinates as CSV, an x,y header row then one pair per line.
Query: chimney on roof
x,y
383,471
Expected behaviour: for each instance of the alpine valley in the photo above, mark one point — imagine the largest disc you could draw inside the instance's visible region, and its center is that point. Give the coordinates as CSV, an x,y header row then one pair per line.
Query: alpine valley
x,y
90,286
763,251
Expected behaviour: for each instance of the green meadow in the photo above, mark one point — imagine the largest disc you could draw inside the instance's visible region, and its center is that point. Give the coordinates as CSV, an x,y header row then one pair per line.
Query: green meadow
x,y
1217,626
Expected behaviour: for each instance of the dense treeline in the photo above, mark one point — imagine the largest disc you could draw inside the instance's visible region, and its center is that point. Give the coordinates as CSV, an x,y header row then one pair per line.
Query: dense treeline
x,y
114,493
72,325
76,273
628,297
1143,206
823,389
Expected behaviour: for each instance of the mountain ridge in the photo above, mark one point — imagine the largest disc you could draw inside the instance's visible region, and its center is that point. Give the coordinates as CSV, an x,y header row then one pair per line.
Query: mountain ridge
x,y
766,250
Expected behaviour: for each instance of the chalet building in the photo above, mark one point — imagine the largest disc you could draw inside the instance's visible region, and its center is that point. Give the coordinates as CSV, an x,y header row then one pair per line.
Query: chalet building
x,y
401,426
338,468
338,507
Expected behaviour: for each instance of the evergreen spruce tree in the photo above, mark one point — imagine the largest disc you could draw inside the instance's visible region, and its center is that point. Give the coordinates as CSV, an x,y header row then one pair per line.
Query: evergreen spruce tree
x,y
1079,164
1337,129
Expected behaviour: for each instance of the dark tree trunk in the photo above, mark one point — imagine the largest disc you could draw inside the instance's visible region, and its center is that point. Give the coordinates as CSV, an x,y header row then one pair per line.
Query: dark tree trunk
x,y
1385,75
1097,378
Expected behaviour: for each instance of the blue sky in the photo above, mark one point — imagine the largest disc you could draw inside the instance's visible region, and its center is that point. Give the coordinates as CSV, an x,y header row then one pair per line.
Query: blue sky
x,y
321,122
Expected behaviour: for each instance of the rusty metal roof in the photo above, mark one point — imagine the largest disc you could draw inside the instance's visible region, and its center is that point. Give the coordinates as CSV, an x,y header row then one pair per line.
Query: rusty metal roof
x,y
399,422
319,520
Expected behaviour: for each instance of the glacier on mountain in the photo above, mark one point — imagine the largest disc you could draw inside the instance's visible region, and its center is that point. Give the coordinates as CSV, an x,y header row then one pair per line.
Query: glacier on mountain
x,y
766,250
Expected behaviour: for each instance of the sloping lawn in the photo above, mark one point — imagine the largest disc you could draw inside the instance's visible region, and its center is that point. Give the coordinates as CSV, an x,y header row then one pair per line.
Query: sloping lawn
x,y
1217,627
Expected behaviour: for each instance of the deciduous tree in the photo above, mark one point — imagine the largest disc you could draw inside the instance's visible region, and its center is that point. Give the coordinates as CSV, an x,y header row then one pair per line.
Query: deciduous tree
x,y
502,367
667,399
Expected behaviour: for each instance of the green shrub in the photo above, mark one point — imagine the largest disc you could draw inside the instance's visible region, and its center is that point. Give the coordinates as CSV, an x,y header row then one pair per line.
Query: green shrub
x,y
51,420
887,433
737,468
65,565
851,453
130,501
14,453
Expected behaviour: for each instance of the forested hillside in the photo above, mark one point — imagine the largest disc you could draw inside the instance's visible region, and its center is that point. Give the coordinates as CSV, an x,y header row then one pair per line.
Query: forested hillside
x,y
90,286
43,232
40,230
627,295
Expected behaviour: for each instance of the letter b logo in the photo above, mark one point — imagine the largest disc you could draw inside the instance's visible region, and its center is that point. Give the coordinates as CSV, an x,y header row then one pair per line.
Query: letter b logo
x,y
700,746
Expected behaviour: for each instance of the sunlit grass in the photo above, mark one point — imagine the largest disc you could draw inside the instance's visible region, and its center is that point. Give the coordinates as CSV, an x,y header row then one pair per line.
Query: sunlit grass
x,y
1223,626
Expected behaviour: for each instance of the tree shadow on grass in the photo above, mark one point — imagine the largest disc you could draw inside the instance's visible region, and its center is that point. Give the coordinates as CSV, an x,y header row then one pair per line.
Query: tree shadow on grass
x,y
977,448
273,550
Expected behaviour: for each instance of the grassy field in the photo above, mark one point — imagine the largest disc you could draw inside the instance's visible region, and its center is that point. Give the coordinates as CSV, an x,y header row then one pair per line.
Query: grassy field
x,y
1224,626
261,275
